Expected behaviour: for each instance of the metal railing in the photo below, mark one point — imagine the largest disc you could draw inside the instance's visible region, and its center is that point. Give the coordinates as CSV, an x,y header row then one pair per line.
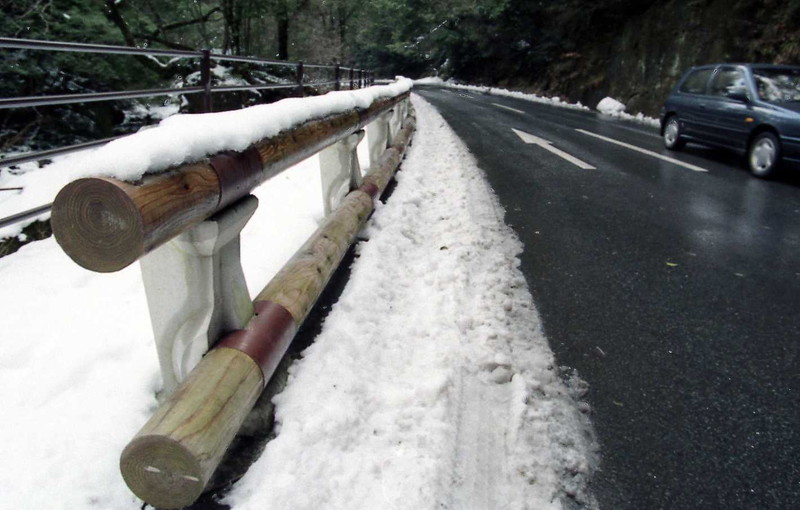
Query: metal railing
x,y
358,78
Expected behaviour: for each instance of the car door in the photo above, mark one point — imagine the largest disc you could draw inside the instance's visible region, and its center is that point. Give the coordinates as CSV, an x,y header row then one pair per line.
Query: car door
x,y
729,117
690,100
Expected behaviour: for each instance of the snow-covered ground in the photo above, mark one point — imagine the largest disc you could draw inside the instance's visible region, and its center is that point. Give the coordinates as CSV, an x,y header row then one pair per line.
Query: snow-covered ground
x,y
430,386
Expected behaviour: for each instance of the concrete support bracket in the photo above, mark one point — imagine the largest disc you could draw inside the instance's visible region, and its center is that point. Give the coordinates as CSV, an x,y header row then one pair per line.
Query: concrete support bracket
x,y
379,137
340,170
196,290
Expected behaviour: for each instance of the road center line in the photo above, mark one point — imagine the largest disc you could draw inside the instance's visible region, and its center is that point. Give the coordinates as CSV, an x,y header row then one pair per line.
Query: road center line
x,y
509,108
644,151
545,144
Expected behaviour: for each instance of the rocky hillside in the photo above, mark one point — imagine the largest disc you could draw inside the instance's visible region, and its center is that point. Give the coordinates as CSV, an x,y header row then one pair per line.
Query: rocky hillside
x,y
639,60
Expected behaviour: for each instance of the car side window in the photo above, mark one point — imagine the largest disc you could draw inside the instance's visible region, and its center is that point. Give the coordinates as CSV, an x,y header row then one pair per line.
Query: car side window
x,y
726,81
695,83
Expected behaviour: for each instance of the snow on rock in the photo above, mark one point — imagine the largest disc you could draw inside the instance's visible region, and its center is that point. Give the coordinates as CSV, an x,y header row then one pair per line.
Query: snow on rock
x,y
432,384
610,106
176,140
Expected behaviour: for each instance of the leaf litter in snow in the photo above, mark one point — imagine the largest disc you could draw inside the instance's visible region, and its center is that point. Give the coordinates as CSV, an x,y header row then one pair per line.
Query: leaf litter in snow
x,y
431,384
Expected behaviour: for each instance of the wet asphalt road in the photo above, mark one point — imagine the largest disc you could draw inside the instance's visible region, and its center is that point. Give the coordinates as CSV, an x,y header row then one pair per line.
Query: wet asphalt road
x,y
674,293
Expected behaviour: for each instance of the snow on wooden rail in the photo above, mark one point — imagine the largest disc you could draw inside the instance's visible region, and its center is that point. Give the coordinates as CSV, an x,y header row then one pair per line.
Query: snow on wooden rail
x,y
105,224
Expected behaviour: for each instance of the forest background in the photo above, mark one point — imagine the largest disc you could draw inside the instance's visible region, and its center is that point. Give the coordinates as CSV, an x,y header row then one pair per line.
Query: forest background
x,y
633,50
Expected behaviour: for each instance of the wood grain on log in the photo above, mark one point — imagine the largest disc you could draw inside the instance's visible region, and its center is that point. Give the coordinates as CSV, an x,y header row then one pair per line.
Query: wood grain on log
x,y
173,456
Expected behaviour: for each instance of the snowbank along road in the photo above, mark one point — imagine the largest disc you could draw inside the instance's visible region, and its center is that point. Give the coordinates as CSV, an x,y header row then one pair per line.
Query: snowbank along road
x,y
670,281
431,385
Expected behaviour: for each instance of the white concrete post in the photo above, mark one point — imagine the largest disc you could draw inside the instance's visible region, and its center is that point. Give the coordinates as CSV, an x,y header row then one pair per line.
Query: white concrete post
x,y
196,290
340,171
397,119
378,137
404,111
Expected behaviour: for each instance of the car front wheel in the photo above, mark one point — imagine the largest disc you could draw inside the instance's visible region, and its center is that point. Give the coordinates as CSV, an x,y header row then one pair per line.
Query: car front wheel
x,y
764,155
672,134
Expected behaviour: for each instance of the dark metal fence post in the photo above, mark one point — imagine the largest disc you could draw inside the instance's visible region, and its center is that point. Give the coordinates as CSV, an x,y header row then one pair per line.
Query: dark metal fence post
x,y
205,80
338,72
352,83
360,78
300,73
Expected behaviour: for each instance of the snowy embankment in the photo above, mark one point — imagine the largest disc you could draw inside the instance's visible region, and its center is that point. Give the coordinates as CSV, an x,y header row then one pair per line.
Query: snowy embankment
x,y
607,106
430,386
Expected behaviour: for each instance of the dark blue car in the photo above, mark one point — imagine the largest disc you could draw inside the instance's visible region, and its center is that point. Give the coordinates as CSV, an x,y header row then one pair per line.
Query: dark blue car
x,y
754,108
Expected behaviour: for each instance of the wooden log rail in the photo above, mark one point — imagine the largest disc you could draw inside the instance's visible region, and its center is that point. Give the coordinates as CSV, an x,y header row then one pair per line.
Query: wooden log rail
x,y
175,453
105,225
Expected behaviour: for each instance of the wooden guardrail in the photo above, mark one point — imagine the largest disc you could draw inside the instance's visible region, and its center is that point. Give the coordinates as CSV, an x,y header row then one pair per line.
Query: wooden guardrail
x,y
175,453
105,224
358,78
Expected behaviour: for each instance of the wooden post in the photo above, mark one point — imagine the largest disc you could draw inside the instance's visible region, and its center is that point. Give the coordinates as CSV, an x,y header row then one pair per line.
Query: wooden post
x,y
105,225
205,81
170,460
300,72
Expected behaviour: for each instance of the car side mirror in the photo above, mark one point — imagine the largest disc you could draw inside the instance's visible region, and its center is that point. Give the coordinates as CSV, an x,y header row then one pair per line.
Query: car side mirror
x,y
737,94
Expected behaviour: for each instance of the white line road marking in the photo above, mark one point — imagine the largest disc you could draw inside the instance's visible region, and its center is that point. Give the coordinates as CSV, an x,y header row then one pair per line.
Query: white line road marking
x,y
544,144
509,108
644,151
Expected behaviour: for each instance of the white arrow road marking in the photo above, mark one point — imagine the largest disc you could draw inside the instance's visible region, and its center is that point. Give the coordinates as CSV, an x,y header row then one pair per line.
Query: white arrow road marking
x,y
509,108
544,144
644,151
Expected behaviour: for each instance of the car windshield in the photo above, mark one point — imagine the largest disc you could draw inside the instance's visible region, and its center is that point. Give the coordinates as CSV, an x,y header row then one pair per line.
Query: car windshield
x,y
778,85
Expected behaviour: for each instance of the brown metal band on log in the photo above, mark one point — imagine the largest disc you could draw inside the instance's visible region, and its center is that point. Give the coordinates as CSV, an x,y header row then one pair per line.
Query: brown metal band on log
x,y
238,173
173,456
370,189
105,225
265,338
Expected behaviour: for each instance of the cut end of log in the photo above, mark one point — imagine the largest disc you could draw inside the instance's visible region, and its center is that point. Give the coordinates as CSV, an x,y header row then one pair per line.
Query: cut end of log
x,y
162,472
98,225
